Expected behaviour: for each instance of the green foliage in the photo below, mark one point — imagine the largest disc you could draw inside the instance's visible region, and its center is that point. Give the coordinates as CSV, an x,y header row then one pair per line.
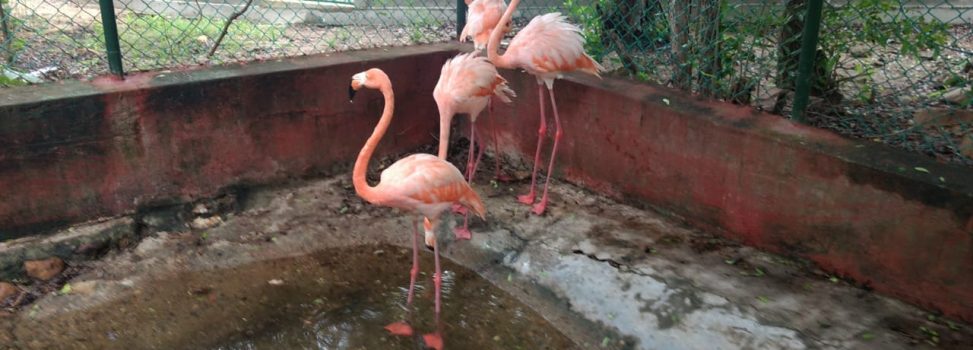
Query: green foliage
x,y
585,15
155,39
873,24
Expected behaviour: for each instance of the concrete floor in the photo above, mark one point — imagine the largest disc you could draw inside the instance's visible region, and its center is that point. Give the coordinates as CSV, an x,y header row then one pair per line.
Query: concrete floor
x,y
609,275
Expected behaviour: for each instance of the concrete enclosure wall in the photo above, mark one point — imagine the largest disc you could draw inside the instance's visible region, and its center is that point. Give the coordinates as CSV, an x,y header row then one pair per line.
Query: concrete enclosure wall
x,y
895,222
81,150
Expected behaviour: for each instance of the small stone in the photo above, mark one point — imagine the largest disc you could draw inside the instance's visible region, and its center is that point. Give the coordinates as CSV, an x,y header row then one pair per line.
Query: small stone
x,y
205,223
378,252
44,269
860,51
7,290
200,209
966,146
275,282
84,287
958,96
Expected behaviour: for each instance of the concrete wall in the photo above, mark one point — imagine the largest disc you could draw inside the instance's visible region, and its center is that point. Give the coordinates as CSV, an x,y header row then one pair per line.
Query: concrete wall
x,y
895,222
899,223
79,150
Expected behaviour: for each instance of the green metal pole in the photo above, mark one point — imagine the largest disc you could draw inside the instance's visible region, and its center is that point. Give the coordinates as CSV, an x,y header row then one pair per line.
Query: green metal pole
x,y
460,16
111,37
805,66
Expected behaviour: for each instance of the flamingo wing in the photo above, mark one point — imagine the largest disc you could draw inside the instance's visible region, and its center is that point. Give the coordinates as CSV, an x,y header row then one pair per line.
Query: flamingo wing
x,y
551,44
425,182
481,18
470,76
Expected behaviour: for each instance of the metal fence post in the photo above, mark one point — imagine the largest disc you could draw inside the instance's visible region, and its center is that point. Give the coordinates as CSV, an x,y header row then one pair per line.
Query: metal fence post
x,y
111,37
460,16
805,66
7,38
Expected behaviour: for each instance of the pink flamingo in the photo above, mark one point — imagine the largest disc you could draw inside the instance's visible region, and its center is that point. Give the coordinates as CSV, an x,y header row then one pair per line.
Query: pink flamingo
x,y
481,18
546,48
420,183
465,86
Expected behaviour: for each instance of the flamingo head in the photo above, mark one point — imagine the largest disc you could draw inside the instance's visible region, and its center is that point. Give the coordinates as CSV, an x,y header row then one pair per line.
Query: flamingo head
x,y
373,79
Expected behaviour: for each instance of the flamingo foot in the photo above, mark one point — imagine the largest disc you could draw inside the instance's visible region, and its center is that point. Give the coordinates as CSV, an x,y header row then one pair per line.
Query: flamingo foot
x,y
539,208
527,199
433,340
462,234
400,329
459,209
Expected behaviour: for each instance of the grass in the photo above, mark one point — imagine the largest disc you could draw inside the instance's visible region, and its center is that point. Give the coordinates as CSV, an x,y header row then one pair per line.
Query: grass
x,y
151,41
7,82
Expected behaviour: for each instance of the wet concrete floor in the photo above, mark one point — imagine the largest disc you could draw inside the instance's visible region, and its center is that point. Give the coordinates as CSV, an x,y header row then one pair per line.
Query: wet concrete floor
x,y
591,274
333,299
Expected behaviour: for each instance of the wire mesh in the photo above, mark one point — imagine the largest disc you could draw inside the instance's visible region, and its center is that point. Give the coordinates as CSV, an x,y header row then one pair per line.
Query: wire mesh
x,y
892,71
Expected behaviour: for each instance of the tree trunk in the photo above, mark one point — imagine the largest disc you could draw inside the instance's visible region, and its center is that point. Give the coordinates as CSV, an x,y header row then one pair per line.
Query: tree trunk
x,y
709,47
788,49
679,27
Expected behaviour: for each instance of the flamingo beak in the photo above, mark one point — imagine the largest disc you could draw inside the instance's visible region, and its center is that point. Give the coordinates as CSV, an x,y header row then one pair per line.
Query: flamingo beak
x,y
351,93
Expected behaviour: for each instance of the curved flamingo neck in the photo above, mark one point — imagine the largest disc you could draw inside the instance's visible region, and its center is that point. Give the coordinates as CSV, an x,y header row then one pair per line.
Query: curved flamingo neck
x,y
362,187
494,44
445,119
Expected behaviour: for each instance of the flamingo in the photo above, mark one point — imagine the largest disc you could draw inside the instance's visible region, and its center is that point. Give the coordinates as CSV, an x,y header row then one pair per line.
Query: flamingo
x,y
481,18
420,183
466,84
546,48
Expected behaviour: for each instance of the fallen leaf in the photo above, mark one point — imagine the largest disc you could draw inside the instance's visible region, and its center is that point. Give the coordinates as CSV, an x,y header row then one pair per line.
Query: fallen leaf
x,y
921,169
275,282
66,289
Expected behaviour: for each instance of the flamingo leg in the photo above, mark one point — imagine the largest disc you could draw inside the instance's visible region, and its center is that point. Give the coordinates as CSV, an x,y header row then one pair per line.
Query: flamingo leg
x,y
476,163
415,261
496,144
437,278
465,233
434,340
459,209
541,133
540,207
403,328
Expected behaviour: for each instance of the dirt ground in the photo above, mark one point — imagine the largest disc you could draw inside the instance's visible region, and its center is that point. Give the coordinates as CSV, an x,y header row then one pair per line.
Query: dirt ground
x,y
602,273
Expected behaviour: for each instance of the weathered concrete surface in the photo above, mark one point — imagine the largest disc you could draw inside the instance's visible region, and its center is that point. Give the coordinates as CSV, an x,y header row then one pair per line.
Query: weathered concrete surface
x,y
81,150
76,243
896,222
609,275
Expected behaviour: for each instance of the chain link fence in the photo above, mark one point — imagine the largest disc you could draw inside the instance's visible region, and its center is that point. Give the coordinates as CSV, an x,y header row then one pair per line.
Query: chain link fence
x,y
892,71
58,39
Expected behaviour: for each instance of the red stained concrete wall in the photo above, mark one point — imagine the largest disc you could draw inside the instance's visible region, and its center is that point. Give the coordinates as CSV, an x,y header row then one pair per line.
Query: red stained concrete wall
x,y
75,151
79,150
858,209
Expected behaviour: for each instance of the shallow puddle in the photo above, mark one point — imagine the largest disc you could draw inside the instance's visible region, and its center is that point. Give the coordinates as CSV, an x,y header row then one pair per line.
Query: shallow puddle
x,y
339,299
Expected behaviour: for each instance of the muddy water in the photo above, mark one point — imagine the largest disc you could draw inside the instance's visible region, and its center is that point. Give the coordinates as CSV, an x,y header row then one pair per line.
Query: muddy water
x,y
337,299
